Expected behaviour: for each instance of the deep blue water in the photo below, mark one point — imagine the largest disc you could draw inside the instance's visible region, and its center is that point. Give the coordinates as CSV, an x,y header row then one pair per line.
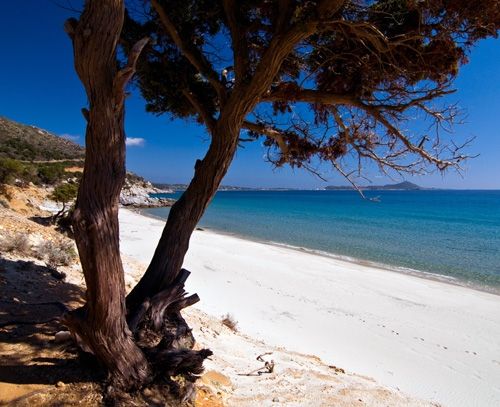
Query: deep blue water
x,y
449,233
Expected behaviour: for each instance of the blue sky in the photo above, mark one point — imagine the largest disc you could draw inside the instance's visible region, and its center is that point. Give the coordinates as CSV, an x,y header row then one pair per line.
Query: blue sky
x,y
38,86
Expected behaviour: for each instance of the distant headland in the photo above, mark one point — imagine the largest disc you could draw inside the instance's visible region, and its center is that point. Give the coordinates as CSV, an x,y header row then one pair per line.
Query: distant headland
x,y
401,186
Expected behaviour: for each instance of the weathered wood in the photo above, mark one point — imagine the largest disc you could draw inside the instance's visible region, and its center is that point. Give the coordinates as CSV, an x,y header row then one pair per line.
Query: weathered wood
x,y
139,315
186,362
101,324
186,213
162,339
158,322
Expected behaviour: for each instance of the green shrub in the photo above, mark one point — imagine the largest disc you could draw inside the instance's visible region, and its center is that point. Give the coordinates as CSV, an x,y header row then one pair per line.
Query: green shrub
x,y
51,173
64,193
10,170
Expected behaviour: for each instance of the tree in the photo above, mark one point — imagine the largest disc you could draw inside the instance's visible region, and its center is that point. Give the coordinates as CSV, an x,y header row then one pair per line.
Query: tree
x,y
132,351
361,68
64,194
10,169
330,81
101,324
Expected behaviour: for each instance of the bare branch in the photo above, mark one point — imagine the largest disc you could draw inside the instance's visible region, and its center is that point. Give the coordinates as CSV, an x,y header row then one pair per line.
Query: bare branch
x,y
348,178
238,40
191,53
270,132
125,74
375,112
202,111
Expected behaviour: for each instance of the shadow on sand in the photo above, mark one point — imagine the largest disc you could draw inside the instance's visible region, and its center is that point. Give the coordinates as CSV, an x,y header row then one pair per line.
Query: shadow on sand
x,y
31,302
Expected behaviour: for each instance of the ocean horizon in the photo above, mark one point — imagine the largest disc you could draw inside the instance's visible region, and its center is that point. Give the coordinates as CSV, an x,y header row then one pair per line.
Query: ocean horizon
x,y
451,235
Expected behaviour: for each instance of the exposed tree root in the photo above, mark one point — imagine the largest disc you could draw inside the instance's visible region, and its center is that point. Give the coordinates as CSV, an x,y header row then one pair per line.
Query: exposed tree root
x,y
163,338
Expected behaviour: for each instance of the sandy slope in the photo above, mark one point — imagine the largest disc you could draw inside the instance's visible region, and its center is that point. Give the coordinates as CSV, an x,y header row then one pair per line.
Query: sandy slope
x,y
297,380
432,340
36,370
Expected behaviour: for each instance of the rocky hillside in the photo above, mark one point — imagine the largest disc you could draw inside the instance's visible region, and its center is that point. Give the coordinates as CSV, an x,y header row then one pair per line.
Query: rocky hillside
x,y
29,155
29,143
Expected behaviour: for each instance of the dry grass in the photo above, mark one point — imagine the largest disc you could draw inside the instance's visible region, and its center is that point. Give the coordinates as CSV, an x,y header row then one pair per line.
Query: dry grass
x,y
56,254
229,321
17,242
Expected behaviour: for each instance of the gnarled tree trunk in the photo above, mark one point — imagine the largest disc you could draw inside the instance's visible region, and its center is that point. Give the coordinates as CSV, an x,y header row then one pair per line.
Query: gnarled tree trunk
x,y
101,324
156,343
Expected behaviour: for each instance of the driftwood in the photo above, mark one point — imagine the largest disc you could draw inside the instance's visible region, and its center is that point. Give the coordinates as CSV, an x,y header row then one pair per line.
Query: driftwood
x,y
267,368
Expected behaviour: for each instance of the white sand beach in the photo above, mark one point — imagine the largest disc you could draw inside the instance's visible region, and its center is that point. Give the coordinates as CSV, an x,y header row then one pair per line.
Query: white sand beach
x,y
429,339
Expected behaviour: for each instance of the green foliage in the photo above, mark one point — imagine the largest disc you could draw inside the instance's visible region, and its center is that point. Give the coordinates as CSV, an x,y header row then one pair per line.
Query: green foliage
x,y
38,173
51,173
17,148
65,193
10,170
371,46
363,68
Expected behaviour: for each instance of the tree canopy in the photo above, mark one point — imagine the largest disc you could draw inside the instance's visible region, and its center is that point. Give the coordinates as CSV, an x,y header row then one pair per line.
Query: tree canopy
x,y
318,80
360,68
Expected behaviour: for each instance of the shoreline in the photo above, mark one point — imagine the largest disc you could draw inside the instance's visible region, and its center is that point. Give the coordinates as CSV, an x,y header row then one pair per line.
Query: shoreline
x,y
426,275
430,339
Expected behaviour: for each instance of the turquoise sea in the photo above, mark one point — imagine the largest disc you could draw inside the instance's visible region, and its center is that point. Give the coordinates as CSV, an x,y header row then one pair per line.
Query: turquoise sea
x,y
451,234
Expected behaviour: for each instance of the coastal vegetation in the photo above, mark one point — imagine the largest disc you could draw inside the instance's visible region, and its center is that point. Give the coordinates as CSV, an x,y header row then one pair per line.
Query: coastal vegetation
x,y
14,171
361,69
64,194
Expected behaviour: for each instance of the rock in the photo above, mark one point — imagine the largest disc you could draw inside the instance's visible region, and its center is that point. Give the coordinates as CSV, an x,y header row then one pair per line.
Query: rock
x,y
60,385
276,400
62,336
136,194
145,202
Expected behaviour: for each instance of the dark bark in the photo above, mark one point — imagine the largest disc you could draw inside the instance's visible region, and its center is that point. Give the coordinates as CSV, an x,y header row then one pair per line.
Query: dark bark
x,y
209,172
186,213
101,324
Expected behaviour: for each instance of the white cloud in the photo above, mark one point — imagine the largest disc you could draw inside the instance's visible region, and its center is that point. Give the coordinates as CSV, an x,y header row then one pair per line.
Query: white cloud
x,y
134,141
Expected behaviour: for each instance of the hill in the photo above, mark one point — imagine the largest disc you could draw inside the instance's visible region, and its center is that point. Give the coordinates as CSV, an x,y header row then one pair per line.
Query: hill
x,y
29,143
401,186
